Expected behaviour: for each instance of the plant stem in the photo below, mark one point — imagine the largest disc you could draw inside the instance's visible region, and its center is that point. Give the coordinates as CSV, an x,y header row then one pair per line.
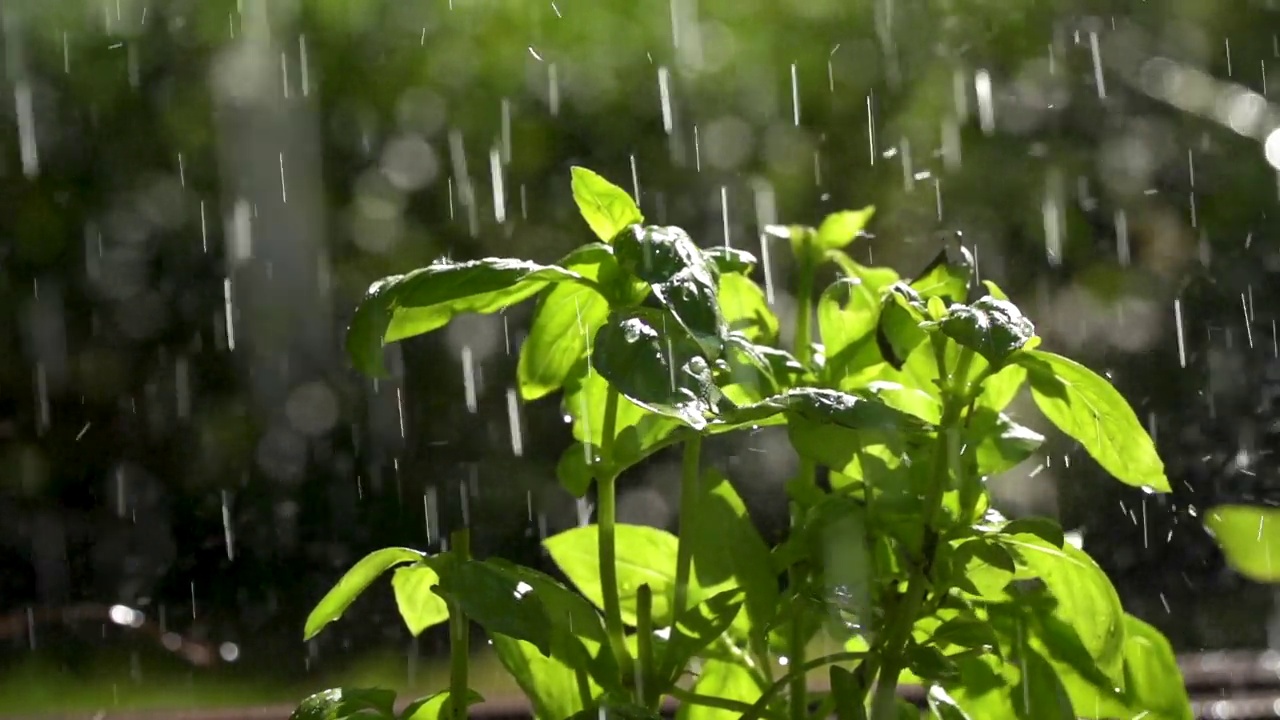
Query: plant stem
x,y
903,617
644,648
799,689
762,704
459,636
606,518
690,483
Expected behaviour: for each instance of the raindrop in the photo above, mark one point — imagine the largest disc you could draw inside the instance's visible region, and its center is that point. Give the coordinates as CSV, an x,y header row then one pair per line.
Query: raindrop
x,y
469,379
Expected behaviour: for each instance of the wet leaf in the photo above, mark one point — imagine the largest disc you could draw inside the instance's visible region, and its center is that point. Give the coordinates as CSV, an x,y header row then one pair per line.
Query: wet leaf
x,y
497,600
1150,669
731,260
565,322
1249,536
403,306
684,281
1001,388
840,228
607,208
420,607
339,703
1086,407
639,431
965,632
995,329
437,706
656,366
354,582
755,372
745,310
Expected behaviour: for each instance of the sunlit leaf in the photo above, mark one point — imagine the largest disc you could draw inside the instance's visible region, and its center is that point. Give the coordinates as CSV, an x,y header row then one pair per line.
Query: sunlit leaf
x,y
607,208
745,310
1086,407
639,431
437,706
1039,694
849,308
943,706
998,442
1249,536
839,541
550,685
946,277
566,319
720,679
697,628
420,607
898,332
403,306
353,583
645,556
731,260
840,228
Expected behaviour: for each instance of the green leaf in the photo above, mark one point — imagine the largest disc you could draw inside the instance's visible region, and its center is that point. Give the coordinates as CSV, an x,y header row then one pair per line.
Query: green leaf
x,y
1043,528
927,663
995,329
357,579
617,706
1085,598
339,703
1039,694
838,539
998,442
1086,407
697,628
566,320
607,208
640,431
730,260
550,685
965,632
574,469
745,309
684,281
849,308
1249,536
420,607
1001,388
437,706
402,306
899,331
840,228
656,365
645,555
1150,669
943,706
720,679
844,690
726,545
946,277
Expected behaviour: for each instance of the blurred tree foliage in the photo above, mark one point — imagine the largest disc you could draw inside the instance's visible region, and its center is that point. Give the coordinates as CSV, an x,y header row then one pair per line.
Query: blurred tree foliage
x,y
447,127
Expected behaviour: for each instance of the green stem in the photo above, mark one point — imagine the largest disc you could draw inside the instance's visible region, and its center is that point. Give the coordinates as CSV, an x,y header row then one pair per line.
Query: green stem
x,y
690,484
644,648
584,687
903,617
459,635
688,697
606,519
796,574
801,671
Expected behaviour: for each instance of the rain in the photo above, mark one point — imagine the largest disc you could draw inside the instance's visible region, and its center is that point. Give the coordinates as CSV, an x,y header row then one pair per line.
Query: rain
x,y
196,195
